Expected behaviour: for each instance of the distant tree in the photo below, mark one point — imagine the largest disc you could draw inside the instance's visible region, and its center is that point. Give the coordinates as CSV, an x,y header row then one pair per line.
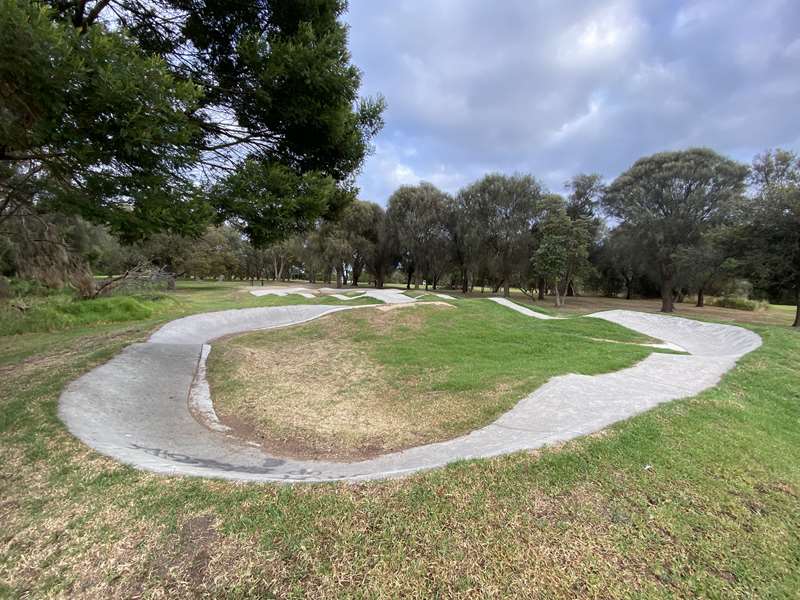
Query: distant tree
x,y
707,264
771,236
563,247
585,194
383,258
361,222
669,200
465,235
503,209
416,221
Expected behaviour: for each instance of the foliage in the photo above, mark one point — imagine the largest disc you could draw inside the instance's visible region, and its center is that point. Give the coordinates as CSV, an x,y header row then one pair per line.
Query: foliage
x,y
94,126
119,111
499,213
563,247
670,200
738,303
416,221
771,253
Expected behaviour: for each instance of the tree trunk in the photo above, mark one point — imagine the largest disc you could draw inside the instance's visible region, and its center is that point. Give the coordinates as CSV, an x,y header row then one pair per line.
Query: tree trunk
x,y
464,281
338,277
408,281
797,303
628,285
541,285
701,298
558,297
506,290
667,300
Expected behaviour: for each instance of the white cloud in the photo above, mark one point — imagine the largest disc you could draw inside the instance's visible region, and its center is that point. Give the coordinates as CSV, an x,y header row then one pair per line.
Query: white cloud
x,y
559,87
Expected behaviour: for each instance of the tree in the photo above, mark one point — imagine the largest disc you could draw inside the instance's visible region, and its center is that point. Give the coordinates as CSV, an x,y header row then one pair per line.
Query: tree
x,y
93,126
361,222
118,110
503,209
772,234
383,258
669,200
563,247
706,264
416,223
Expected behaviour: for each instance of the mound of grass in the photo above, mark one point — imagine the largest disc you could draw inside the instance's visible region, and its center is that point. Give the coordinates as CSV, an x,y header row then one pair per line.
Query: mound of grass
x,y
61,312
367,382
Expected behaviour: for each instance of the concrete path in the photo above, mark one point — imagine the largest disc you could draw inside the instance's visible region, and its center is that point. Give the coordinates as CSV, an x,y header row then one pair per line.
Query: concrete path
x,y
283,291
386,295
521,309
136,407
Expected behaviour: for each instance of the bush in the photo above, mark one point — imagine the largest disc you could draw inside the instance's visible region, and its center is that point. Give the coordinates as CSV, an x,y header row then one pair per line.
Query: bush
x,y
61,312
738,303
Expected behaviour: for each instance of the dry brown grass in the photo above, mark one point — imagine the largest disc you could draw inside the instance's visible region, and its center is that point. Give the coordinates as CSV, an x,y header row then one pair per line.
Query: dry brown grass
x,y
322,395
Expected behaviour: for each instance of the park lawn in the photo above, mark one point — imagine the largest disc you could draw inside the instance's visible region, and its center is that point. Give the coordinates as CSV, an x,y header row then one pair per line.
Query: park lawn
x,y
699,497
365,382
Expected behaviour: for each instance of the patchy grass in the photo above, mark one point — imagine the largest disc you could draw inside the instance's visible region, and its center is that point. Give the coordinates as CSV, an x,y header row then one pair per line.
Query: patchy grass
x,y
696,498
363,383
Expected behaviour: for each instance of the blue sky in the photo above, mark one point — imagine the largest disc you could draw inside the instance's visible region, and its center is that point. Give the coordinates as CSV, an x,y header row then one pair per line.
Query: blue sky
x,y
555,88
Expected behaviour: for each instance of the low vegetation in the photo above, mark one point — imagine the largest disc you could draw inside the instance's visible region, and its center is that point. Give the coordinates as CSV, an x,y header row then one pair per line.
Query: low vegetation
x,y
697,498
362,383
738,303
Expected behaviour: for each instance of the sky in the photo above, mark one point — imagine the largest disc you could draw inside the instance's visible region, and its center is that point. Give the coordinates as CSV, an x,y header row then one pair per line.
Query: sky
x,y
559,87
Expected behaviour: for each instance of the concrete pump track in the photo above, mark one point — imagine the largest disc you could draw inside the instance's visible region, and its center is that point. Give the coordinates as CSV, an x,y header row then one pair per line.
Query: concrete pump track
x,y
149,406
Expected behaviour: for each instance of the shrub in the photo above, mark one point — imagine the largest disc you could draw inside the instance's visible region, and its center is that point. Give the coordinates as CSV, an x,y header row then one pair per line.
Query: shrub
x,y
738,303
60,312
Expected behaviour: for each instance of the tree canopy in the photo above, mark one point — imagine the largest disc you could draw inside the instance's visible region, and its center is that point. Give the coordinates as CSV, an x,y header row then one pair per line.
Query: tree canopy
x,y
126,112
669,200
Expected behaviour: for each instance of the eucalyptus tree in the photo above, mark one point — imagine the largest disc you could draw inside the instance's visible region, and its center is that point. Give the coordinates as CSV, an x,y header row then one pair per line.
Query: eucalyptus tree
x,y
361,224
669,200
771,236
416,223
563,247
501,211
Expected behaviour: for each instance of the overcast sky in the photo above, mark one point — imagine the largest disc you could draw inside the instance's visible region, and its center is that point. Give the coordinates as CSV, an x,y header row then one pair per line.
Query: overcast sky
x,y
559,87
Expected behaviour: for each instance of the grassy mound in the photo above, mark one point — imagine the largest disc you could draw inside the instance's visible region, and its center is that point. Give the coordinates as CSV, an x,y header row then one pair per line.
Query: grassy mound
x,y
54,313
366,382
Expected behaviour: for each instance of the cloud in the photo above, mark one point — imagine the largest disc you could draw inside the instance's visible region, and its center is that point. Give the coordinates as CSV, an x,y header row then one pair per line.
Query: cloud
x,y
556,88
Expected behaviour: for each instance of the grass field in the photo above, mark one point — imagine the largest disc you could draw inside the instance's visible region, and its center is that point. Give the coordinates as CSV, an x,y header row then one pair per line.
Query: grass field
x,y
362,383
697,498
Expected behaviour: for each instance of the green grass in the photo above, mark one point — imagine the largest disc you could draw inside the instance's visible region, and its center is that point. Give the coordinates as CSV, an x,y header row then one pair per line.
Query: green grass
x,y
57,312
436,373
696,498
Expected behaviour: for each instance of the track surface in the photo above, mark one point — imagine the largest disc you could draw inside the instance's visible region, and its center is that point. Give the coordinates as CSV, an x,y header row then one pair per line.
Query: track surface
x,y
136,407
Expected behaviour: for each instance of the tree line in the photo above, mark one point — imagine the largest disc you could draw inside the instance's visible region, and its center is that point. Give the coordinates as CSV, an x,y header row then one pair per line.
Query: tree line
x,y
224,138
674,224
